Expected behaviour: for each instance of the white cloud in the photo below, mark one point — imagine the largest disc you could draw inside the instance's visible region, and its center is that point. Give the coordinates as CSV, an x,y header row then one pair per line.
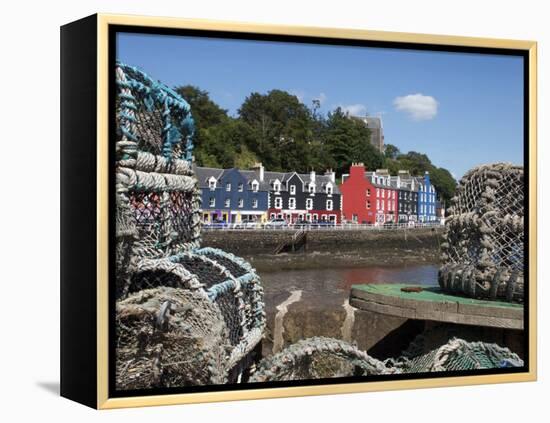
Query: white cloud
x,y
322,97
417,106
299,94
354,109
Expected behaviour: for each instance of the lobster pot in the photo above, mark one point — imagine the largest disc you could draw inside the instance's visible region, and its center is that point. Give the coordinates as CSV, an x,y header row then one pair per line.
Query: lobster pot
x,y
454,355
156,193
158,235
318,358
226,280
483,254
169,337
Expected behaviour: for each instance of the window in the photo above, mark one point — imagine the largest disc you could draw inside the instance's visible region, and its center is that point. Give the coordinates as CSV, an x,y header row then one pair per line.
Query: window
x,y
212,202
329,189
228,186
368,192
227,203
309,204
311,188
368,204
272,216
329,204
293,190
383,193
278,203
393,195
377,193
377,204
315,217
277,186
241,203
291,203
212,184
255,186
241,187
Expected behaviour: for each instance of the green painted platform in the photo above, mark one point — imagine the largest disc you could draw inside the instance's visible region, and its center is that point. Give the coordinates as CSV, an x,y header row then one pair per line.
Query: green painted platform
x,y
432,304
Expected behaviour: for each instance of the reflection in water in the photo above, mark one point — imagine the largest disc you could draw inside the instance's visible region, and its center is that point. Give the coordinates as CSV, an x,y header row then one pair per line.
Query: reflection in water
x,y
339,281
322,308
414,275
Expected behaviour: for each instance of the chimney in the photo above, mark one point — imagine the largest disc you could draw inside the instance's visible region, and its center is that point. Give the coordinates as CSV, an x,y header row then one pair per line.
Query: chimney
x,y
404,173
331,174
357,170
259,168
312,176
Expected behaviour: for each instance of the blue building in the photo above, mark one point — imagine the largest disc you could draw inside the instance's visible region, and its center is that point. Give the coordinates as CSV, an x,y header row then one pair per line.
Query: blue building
x,y
232,195
426,199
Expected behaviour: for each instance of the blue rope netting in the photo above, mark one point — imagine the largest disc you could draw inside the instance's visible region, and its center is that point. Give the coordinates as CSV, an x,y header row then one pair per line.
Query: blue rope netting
x,y
178,123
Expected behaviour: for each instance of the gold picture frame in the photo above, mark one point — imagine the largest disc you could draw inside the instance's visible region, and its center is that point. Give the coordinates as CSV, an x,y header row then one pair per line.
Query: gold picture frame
x,y
102,23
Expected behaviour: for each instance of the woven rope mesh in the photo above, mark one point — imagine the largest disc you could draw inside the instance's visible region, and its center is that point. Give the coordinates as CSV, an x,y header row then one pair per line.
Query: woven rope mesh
x,y
158,225
169,337
483,250
319,358
457,354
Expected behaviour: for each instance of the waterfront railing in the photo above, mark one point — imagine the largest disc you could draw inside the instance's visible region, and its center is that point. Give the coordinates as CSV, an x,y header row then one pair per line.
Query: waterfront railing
x,y
320,226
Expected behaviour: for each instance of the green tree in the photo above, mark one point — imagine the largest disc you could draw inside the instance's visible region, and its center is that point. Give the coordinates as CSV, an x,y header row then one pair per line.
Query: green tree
x,y
347,140
417,164
282,126
391,151
207,116
206,112
281,132
444,183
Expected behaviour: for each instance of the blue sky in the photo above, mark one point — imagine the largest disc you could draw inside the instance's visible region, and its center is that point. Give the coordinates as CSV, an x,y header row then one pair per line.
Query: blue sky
x,y
460,109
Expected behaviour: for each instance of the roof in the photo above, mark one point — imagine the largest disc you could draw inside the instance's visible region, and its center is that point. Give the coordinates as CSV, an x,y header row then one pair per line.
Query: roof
x,y
251,175
320,182
370,174
203,174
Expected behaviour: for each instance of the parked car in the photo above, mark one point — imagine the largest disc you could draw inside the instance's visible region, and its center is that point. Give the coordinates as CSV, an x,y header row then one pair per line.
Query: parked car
x,y
301,224
248,224
277,223
215,224
321,223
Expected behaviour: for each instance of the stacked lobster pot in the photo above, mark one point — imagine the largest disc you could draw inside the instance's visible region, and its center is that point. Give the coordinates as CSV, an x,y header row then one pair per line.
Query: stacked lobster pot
x,y
483,254
185,315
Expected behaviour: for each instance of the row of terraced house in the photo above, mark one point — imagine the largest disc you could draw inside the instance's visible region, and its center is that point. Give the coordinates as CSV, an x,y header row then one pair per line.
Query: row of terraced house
x,y
367,197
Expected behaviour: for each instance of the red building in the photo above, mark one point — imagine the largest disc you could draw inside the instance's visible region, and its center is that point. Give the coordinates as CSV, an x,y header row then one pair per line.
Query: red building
x,y
368,197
